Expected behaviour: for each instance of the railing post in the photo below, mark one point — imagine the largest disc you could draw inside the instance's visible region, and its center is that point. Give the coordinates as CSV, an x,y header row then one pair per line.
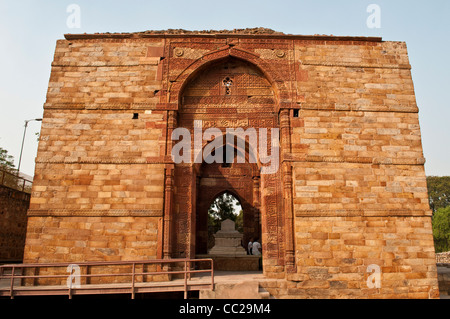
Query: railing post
x,y
132,281
70,289
70,283
212,275
185,279
11,292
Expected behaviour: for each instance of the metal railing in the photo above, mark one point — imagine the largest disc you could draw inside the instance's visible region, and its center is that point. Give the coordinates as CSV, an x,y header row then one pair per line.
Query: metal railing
x,y
188,268
15,181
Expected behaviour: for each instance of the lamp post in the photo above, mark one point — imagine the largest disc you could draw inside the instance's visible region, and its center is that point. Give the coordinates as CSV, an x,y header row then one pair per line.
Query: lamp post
x,y
23,140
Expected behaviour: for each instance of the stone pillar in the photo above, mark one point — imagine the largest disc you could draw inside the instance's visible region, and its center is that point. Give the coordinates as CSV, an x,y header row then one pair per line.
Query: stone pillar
x,y
168,188
287,191
168,203
171,125
256,202
192,215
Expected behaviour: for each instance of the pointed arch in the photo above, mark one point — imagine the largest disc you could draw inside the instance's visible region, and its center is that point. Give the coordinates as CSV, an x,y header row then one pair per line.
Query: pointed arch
x,y
242,146
198,93
226,191
180,81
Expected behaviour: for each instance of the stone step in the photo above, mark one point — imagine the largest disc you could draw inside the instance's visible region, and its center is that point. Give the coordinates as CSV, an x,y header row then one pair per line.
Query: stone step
x,y
264,293
236,290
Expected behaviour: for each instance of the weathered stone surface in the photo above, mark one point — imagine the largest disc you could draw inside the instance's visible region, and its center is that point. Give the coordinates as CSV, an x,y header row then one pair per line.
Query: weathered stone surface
x,y
243,290
13,223
443,257
76,239
444,280
350,190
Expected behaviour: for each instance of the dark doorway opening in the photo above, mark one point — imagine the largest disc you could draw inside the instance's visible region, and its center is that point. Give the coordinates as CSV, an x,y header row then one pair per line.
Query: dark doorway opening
x,y
224,206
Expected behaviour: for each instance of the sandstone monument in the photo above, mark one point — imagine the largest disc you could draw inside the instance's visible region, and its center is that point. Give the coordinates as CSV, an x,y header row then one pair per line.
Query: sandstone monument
x,y
228,241
347,207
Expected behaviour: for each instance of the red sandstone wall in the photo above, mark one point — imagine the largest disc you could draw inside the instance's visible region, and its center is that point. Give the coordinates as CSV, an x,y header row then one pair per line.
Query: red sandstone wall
x,y
85,238
333,256
13,223
352,160
99,183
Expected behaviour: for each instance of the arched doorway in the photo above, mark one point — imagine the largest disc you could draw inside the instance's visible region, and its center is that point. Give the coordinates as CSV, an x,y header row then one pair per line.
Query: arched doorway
x,y
228,94
241,181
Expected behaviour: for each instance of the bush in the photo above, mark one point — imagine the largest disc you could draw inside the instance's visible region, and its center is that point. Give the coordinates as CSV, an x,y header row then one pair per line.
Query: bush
x,y
441,229
438,191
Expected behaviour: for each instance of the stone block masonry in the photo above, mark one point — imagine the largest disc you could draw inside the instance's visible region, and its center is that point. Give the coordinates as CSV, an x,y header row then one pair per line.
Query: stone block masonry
x,y
72,239
334,254
13,223
348,204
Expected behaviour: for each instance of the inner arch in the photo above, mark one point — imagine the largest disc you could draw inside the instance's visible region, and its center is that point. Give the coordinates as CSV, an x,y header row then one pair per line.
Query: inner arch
x,y
232,81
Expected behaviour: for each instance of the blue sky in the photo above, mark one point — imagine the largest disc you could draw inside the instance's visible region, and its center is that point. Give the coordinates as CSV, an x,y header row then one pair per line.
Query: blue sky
x,y
29,30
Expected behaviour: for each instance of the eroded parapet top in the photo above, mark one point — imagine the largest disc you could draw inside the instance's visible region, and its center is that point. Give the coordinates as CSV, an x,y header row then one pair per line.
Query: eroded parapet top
x,y
247,32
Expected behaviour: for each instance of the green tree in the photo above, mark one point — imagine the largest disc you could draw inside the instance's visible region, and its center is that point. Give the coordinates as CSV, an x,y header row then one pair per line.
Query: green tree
x,y
438,192
6,160
441,229
8,173
224,206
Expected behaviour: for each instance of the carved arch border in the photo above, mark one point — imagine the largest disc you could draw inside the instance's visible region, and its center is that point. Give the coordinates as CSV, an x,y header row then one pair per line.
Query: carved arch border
x,y
178,82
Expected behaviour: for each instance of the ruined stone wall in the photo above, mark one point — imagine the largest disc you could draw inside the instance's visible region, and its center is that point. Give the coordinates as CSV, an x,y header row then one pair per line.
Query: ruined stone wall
x,y
13,223
350,191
